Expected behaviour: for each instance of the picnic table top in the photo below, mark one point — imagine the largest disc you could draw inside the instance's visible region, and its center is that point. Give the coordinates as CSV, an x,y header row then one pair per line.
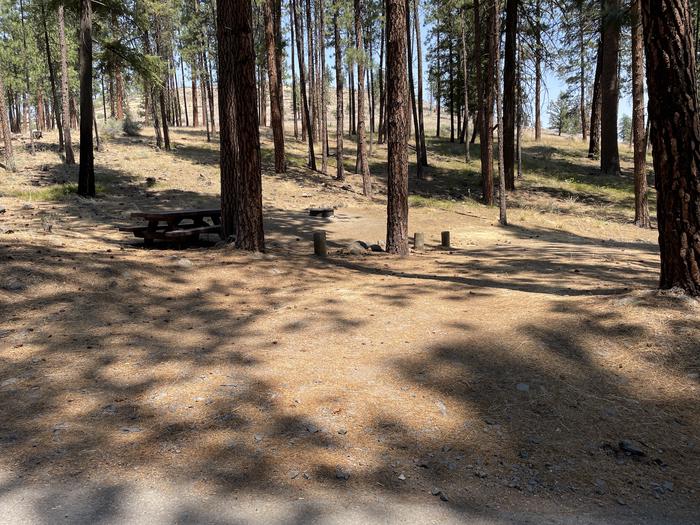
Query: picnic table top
x,y
176,214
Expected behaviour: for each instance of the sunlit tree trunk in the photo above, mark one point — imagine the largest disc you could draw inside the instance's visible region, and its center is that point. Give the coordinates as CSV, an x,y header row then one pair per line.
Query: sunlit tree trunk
x,y
641,205
241,179
52,78
594,132
339,173
362,161
68,145
302,86
274,77
675,122
5,130
397,128
610,89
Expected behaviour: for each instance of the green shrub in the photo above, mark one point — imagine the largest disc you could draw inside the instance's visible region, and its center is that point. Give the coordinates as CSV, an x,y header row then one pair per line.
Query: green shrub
x,y
111,128
130,127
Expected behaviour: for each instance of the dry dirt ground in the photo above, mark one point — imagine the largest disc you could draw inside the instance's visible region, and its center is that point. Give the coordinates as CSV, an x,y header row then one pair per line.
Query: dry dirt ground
x,y
531,374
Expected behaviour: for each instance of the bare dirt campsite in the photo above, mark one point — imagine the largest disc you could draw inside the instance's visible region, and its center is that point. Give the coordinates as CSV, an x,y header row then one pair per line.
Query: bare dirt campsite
x,y
528,374
314,262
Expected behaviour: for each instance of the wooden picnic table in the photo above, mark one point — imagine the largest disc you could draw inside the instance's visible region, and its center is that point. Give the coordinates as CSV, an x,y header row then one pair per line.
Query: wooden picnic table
x,y
170,225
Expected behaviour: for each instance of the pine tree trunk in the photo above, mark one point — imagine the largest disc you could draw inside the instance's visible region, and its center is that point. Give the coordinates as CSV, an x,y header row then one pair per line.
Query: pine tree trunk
x,y
438,82
339,173
184,92
594,132
86,173
610,89
582,78
641,205
509,96
675,120
362,162
313,106
302,86
322,89
451,87
27,126
465,74
275,77
153,96
5,130
67,142
538,71
397,127
412,92
381,132
479,72
40,118
496,59
487,101
419,56
295,105
195,109
120,91
52,78
241,180
161,89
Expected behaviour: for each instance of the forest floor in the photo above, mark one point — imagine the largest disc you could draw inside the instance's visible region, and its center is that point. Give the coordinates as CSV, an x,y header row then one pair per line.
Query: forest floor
x,y
530,374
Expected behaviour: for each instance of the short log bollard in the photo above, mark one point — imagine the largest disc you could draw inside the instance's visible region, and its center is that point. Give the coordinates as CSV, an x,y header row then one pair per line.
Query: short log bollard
x,y
419,241
320,244
445,239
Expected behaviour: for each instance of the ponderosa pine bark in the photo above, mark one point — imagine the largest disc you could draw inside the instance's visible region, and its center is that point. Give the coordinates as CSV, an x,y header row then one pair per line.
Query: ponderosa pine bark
x,y
494,35
419,57
306,117
241,179
86,173
412,92
5,130
538,71
582,77
65,110
487,101
195,108
509,93
184,92
362,162
641,205
274,78
610,88
397,128
438,75
594,132
339,172
294,73
465,74
675,120
322,88
52,79
25,103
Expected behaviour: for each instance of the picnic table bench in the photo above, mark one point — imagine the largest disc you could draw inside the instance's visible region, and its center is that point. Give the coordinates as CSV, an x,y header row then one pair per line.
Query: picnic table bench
x,y
177,225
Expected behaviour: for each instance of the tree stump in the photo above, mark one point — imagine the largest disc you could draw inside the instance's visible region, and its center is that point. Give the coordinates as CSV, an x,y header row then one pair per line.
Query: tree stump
x,y
419,241
320,249
445,239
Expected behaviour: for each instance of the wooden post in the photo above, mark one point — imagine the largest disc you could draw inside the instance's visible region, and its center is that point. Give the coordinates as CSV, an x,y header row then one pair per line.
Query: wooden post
x,y
445,239
320,244
419,241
